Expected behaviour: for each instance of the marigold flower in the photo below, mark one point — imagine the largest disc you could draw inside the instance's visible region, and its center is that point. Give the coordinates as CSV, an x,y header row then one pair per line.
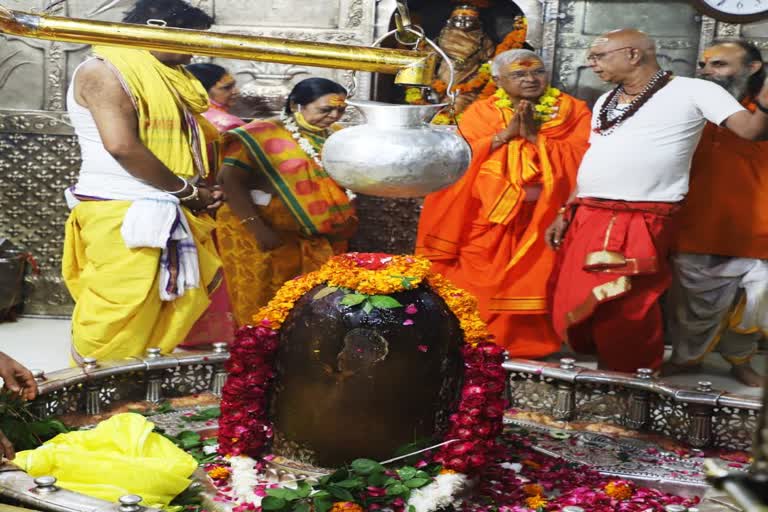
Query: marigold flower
x,y
535,502
218,473
346,506
618,490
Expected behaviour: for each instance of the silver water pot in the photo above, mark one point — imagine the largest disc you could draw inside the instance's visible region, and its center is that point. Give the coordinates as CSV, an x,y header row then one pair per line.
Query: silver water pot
x,y
396,153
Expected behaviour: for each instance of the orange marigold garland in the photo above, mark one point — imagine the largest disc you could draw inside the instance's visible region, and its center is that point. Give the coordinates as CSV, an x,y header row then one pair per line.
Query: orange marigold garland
x,y
244,427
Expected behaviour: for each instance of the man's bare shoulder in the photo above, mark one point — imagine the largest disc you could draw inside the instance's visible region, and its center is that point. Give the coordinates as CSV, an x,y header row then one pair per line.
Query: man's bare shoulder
x,y
96,75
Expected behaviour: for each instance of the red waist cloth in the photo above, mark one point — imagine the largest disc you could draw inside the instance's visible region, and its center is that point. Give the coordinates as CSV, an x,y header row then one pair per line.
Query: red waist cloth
x,y
608,276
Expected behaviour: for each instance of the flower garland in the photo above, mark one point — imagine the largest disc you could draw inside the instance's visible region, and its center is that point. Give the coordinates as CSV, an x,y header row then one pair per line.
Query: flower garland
x,y
304,144
244,426
546,107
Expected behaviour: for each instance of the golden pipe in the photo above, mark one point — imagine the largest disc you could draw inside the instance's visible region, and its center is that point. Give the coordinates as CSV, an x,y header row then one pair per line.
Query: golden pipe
x,y
411,67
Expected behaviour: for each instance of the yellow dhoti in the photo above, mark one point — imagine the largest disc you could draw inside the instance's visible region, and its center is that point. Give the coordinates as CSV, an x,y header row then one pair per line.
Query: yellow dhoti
x,y
118,311
253,275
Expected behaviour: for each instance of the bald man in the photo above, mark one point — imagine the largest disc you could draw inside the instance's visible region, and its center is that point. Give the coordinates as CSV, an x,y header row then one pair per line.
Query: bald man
x,y
613,258
719,296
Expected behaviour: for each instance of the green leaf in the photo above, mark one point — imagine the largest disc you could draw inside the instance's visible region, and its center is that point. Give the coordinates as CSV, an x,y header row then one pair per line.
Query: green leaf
x,y
353,299
406,472
384,302
415,483
350,484
302,506
397,490
339,475
378,479
321,494
366,466
325,292
340,493
411,508
303,490
210,441
367,307
283,493
188,439
322,504
422,474
210,413
272,503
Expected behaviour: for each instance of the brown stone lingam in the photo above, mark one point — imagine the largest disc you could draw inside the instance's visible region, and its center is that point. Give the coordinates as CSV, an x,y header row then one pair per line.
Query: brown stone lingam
x,y
356,381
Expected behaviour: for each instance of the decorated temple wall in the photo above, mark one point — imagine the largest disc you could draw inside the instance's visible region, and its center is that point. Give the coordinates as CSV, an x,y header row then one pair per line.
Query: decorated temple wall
x,y
39,156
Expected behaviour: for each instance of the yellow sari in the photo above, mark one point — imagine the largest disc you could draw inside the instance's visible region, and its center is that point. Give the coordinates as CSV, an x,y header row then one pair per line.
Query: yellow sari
x,y
310,213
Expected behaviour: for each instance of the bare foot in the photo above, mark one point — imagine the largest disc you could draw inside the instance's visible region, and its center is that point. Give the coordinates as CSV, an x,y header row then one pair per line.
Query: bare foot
x,y
745,374
674,369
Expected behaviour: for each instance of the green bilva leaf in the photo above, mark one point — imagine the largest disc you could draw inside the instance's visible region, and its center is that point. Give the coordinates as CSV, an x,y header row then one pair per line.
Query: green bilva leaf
x,y
411,508
367,307
210,413
397,490
340,493
353,483
378,479
303,490
322,504
366,466
339,475
384,302
325,292
188,439
272,503
353,299
415,483
302,506
283,493
407,472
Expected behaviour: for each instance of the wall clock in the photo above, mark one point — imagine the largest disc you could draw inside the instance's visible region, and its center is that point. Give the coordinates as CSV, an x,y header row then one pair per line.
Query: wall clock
x,y
735,11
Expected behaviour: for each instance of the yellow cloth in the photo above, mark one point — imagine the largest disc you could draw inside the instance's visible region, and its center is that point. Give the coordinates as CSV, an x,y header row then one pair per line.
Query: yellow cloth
x,y
161,95
254,276
118,311
120,456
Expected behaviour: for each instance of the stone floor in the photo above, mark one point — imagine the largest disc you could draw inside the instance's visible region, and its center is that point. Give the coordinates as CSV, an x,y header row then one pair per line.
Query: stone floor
x,y
44,343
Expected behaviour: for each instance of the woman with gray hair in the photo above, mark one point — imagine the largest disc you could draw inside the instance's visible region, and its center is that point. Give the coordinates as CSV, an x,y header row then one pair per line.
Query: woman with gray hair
x,y
486,232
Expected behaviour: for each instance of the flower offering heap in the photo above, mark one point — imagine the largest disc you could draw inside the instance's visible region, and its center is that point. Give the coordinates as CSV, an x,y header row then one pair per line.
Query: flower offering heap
x,y
367,354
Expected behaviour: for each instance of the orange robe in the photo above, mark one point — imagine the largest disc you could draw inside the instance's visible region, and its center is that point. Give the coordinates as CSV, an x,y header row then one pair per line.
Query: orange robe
x,y
485,237
724,212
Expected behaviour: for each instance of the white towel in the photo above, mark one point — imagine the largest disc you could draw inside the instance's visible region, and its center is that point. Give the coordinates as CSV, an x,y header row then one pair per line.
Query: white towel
x,y
156,222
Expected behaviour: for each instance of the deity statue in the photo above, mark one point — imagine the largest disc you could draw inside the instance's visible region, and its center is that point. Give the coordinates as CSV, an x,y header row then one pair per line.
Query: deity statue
x,y
466,43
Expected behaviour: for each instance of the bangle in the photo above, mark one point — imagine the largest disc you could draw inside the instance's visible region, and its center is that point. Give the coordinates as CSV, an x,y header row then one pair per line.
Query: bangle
x,y
761,108
249,219
562,209
183,187
192,196
498,139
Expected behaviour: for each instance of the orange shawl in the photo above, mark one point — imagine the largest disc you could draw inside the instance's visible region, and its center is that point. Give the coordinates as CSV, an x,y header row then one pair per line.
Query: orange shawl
x,y
461,222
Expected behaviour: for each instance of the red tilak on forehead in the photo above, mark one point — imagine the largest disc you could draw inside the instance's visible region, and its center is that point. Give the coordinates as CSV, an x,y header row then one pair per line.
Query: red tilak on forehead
x,y
524,64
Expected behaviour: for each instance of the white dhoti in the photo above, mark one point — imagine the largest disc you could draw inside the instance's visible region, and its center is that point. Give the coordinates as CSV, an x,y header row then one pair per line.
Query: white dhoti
x,y
716,303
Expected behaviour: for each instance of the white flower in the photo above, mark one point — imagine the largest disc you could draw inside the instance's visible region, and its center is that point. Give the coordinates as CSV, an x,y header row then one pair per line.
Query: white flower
x,y
244,479
210,449
439,494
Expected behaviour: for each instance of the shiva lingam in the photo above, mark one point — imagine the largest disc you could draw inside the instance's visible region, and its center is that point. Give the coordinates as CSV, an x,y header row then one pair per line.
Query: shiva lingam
x,y
355,360
396,154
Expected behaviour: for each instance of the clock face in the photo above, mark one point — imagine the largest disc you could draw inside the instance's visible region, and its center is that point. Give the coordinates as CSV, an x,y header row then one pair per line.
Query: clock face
x,y
738,7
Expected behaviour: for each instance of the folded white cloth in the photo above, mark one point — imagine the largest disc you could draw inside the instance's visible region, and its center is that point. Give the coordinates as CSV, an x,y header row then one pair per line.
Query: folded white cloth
x,y
158,222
